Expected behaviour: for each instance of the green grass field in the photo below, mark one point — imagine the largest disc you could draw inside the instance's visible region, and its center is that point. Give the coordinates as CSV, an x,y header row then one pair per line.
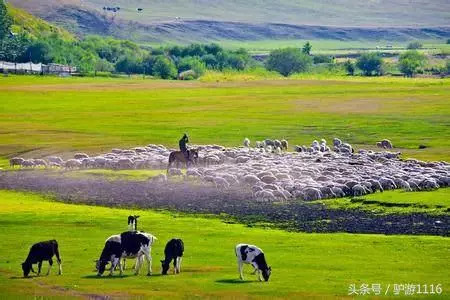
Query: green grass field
x,y
45,115
304,265
396,202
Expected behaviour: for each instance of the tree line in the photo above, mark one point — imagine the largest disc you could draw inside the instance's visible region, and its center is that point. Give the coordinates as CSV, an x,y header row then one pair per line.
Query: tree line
x,y
94,54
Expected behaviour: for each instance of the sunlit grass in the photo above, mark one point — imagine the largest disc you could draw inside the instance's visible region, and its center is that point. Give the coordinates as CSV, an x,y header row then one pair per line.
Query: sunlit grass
x,y
304,265
396,202
42,116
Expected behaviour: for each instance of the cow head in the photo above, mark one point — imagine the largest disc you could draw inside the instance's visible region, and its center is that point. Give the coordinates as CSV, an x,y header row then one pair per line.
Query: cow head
x,y
266,273
165,267
26,268
101,266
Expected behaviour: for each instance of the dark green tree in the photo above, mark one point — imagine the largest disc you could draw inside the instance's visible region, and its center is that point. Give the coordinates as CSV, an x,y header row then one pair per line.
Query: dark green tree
x,y
288,61
164,68
349,67
414,45
307,48
370,63
192,63
5,21
13,47
410,62
129,65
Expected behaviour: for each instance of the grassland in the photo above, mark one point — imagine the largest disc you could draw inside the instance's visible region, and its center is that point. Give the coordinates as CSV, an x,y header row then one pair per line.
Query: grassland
x,y
396,202
44,115
304,265
319,12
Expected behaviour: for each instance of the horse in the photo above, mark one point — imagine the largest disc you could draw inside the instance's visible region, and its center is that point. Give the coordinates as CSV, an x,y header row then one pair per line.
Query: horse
x,y
178,157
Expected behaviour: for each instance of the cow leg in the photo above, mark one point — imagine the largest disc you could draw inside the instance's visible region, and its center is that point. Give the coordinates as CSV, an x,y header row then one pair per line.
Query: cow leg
x,y
120,267
39,268
240,268
50,264
137,264
113,265
123,263
179,264
175,265
148,256
257,271
58,260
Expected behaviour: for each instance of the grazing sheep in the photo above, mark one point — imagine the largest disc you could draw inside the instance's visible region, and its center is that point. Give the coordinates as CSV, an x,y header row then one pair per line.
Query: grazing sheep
x,y
251,179
337,142
268,142
246,143
387,183
221,182
193,173
268,179
40,162
80,156
358,190
28,163
265,195
56,159
73,164
386,144
311,194
159,178
15,161
174,172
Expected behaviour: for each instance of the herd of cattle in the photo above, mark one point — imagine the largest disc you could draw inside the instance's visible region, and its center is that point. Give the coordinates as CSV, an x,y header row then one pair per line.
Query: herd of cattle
x,y
137,244
318,171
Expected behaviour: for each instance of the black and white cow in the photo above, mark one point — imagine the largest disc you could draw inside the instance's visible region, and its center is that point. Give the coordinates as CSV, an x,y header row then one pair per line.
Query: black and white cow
x,y
39,252
173,251
250,254
113,238
132,244
132,222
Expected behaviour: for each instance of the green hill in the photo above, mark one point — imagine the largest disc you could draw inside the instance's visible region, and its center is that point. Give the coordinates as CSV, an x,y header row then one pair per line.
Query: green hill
x,y
180,21
383,13
35,27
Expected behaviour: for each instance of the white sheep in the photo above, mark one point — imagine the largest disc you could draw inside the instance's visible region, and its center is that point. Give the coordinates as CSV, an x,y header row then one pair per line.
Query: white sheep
x,y
56,159
72,164
246,143
80,156
251,179
221,182
264,195
174,172
159,178
16,161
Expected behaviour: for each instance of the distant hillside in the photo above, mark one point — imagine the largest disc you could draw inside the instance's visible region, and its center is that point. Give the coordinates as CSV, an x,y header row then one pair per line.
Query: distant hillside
x,y
35,27
208,20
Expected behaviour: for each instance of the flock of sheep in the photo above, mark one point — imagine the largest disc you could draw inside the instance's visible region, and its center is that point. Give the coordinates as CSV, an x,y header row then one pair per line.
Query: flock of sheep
x,y
312,172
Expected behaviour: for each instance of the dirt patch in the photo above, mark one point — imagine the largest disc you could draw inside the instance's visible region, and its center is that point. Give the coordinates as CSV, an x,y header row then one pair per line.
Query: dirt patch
x,y
234,203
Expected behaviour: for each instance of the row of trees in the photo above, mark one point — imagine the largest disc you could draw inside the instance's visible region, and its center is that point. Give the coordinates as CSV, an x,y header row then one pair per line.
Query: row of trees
x,y
97,54
288,61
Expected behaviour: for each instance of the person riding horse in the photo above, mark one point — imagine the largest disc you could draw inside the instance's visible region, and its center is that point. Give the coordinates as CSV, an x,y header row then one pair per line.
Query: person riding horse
x,y
183,148
183,156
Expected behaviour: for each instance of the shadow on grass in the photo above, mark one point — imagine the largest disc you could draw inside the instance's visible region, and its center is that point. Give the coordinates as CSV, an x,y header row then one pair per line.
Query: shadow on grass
x,y
21,277
94,276
233,281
